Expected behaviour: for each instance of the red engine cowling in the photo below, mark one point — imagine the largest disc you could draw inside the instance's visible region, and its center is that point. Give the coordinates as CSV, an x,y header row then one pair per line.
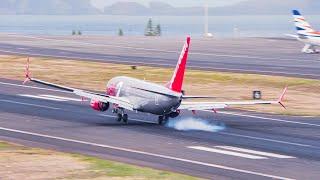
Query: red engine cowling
x,y
99,106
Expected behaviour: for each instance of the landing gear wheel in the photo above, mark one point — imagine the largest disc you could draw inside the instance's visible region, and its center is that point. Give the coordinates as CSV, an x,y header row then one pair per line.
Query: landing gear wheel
x,y
119,117
163,120
125,118
160,120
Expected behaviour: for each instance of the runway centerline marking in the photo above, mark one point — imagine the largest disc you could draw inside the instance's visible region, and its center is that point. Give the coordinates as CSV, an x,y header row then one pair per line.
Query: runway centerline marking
x,y
40,97
146,153
271,119
268,154
52,97
29,104
265,139
226,152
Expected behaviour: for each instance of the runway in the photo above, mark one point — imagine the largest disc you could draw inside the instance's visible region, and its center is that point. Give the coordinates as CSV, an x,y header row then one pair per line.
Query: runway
x,y
251,145
247,55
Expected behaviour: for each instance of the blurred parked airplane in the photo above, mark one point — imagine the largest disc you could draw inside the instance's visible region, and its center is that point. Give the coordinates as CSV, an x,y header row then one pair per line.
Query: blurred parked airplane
x,y
305,33
126,93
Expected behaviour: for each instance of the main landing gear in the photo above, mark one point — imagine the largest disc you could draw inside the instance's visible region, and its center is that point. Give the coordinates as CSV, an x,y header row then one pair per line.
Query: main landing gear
x,y
163,120
121,116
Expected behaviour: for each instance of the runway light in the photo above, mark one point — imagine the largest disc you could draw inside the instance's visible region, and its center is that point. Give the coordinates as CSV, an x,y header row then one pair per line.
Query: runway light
x,y
194,124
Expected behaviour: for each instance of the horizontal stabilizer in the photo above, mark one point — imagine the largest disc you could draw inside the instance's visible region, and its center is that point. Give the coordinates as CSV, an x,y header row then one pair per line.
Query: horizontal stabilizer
x,y
198,97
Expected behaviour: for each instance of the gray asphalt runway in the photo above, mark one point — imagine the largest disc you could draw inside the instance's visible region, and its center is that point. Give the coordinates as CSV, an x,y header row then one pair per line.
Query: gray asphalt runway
x,y
251,145
250,55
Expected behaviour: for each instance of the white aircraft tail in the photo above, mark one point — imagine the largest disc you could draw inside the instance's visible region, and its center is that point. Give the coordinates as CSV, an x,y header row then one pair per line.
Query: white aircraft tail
x,y
302,26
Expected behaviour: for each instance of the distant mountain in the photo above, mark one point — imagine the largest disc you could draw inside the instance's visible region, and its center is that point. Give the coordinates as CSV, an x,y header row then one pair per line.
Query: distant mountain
x,y
76,7
127,8
265,7
71,7
154,8
249,7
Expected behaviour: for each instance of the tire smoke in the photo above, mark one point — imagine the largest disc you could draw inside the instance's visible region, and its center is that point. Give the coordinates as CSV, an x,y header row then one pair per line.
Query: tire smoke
x,y
194,124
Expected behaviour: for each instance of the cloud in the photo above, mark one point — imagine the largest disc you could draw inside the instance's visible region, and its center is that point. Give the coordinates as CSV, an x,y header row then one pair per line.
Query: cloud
x,y
100,4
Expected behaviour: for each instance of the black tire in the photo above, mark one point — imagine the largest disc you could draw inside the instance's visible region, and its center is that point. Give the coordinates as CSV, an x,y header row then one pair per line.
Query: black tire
x,y
125,118
119,117
160,120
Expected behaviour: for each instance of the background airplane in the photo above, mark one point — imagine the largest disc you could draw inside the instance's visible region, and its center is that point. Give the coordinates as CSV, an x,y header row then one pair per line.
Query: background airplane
x,y
166,101
305,33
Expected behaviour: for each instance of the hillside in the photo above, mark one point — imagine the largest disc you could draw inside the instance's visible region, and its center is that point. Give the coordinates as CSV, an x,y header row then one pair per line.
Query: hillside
x,y
71,7
249,7
76,7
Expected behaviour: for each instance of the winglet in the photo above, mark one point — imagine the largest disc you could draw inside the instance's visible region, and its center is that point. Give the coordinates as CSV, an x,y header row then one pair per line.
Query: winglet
x,y
27,72
281,98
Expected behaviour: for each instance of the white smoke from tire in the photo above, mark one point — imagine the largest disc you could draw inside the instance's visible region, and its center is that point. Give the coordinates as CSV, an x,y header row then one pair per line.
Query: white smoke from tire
x,y
195,124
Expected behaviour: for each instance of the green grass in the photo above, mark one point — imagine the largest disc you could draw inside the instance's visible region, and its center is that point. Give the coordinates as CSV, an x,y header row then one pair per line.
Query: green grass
x,y
95,167
5,146
106,168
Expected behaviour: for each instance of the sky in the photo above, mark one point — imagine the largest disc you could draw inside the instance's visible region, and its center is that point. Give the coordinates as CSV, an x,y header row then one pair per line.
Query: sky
x,y
179,3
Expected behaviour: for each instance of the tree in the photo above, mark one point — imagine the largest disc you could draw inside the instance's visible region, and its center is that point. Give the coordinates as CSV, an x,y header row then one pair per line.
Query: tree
x,y
120,33
79,33
149,29
157,31
74,32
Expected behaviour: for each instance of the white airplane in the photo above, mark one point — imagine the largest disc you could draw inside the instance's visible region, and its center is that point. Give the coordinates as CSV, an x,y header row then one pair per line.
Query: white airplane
x,y
165,101
305,34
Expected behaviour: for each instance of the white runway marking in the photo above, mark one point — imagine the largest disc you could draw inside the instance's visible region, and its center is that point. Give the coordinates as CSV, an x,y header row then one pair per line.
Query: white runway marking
x,y
265,139
268,154
51,97
40,97
230,153
270,119
230,134
29,104
147,154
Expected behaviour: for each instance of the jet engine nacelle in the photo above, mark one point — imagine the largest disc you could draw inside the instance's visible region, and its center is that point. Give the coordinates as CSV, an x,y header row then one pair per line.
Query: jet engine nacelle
x,y
174,114
99,106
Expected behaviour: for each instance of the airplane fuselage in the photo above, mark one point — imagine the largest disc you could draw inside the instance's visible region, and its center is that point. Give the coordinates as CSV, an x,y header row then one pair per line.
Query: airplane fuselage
x,y
146,97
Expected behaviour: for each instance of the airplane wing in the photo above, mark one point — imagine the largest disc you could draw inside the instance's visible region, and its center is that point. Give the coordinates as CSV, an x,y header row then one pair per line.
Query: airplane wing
x,y
201,106
121,102
292,35
299,36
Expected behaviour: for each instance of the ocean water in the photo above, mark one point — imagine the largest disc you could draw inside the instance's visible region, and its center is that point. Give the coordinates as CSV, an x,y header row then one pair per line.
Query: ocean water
x,y
220,26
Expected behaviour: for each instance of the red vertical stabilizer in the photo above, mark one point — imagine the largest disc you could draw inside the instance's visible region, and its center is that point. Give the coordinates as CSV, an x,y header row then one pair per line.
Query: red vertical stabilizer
x,y
176,81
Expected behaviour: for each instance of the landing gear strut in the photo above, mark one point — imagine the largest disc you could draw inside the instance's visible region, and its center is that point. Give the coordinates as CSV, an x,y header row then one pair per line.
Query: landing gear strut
x,y
122,116
163,120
